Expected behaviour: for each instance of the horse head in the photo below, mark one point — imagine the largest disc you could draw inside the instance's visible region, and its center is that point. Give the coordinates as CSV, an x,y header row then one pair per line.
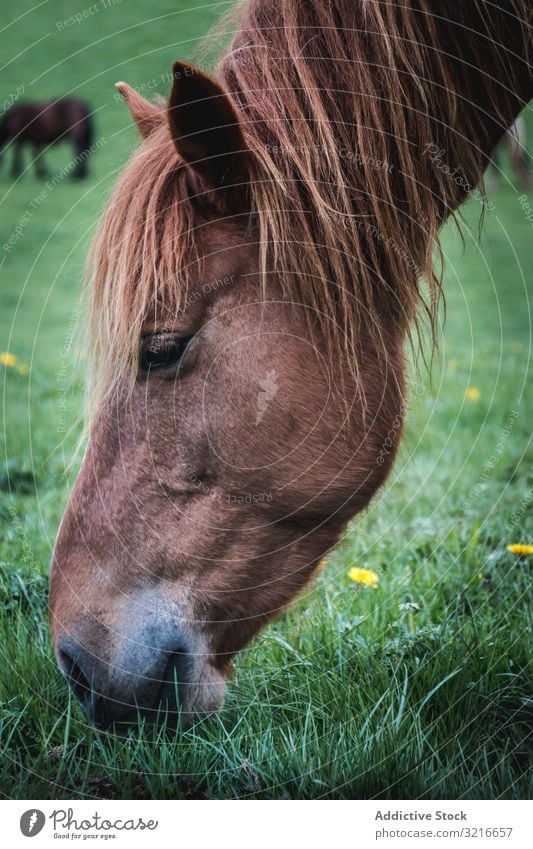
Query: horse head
x,y
222,461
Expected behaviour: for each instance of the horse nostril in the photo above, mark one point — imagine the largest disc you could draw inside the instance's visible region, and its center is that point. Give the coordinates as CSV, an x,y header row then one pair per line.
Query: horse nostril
x,y
76,678
149,687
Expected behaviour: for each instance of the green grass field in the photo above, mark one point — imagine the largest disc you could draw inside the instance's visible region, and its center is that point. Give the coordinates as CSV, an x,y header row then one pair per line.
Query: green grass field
x,y
419,688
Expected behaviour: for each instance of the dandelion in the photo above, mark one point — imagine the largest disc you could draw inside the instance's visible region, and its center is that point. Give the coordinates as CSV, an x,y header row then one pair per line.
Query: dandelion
x,y
8,360
521,550
472,394
11,361
363,576
410,608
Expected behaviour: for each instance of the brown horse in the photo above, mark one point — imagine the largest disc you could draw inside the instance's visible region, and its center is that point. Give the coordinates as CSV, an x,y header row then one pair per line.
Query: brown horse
x,y
253,282
43,124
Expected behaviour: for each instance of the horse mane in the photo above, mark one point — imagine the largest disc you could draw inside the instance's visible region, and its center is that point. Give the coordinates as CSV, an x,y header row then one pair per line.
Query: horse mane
x,y
343,103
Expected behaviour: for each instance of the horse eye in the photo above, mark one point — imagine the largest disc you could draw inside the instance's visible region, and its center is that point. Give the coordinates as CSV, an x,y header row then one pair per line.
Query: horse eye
x,y
161,350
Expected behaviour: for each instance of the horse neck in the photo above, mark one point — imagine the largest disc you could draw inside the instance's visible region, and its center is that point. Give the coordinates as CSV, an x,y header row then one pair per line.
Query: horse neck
x,y
484,49
447,75
371,121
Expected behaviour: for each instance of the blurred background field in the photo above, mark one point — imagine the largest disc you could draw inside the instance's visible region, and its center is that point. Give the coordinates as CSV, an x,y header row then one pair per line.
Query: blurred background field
x,y
419,687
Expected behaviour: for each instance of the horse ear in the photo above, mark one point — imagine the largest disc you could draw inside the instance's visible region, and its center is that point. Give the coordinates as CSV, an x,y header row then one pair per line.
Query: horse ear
x,y
148,116
206,130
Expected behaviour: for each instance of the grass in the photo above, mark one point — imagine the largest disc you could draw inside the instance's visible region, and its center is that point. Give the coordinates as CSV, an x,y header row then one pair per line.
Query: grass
x,y
420,688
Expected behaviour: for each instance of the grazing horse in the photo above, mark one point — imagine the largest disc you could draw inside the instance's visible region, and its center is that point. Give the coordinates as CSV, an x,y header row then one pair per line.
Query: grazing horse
x,y
43,124
261,263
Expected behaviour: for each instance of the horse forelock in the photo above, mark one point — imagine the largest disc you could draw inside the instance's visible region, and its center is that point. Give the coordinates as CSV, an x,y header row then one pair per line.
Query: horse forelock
x,y
141,259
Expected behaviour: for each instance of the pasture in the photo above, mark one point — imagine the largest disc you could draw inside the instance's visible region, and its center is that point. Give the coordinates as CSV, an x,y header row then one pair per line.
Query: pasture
x,y
419,687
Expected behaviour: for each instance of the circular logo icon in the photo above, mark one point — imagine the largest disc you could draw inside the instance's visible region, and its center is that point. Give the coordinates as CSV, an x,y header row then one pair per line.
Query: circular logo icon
x,y
32,822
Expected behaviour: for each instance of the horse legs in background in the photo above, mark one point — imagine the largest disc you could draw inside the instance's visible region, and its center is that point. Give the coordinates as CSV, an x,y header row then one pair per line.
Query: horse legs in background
x,y
82,155
40,168
82,136
17,163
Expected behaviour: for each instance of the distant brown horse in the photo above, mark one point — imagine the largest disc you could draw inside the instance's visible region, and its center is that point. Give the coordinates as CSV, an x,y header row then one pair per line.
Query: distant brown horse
x,y
254,279
40,125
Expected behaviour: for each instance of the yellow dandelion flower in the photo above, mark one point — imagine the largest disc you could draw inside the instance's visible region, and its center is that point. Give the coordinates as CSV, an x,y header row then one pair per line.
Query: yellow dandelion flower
x,y
8,360
23,369
363,576
472,394
520,549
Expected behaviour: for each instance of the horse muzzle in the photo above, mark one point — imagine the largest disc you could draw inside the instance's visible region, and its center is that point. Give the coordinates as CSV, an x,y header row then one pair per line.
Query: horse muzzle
x,y
159,674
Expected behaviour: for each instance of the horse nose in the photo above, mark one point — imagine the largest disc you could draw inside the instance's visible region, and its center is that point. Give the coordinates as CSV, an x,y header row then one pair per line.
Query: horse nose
x,y
114,696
